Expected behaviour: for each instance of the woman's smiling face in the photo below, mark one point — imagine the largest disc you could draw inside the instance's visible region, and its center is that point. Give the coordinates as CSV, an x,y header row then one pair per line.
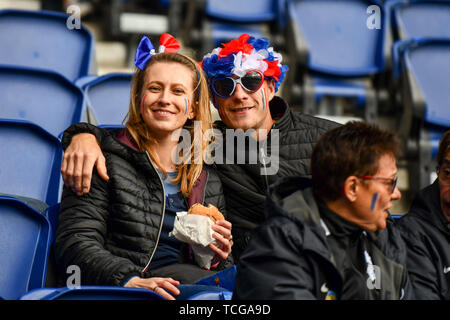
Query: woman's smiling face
x,y
167,96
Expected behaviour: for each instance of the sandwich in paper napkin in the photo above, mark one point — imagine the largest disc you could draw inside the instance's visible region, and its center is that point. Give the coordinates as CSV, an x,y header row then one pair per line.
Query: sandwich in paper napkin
x,y
195,229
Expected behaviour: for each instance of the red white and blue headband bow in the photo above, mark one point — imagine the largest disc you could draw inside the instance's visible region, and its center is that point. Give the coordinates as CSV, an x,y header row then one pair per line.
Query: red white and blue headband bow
x,y
146,50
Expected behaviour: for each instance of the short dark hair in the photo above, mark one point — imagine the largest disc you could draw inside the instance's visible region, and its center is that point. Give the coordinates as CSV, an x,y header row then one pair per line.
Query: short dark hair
x,y
351,149
444,147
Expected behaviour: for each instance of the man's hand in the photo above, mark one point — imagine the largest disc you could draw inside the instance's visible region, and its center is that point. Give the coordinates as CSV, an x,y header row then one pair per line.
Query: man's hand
x,y
78,162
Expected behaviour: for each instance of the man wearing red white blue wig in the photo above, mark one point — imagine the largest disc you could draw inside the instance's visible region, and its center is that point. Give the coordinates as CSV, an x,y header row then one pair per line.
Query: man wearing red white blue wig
x,y
244,76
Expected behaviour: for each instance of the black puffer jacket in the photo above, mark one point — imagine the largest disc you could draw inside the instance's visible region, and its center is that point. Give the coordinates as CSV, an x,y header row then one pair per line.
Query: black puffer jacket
x,y
306,251
112,232
244,185
427,234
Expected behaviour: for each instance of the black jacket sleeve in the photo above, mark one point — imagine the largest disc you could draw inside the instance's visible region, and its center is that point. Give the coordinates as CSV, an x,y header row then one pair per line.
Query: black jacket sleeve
x,y
81,238
421,258
274,266
82,127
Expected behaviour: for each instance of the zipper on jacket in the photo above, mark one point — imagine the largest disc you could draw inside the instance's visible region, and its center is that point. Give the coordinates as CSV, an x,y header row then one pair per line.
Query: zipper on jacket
x,y
204,189
163,212
263,161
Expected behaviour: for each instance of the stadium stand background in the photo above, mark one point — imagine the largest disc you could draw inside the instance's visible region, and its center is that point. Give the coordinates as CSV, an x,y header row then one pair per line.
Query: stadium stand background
x,y
118,25
376,90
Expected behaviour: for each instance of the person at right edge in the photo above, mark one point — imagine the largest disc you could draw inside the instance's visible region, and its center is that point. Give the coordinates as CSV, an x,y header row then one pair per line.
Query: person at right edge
x,y
426,230
331,237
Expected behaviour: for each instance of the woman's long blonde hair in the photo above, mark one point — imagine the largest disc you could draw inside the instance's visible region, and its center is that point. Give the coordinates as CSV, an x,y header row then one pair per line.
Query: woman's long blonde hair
x,y
188,173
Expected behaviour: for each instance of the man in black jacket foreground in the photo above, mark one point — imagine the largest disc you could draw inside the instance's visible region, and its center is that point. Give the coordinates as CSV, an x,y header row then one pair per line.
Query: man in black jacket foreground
x,y
426,230
244,76
332,237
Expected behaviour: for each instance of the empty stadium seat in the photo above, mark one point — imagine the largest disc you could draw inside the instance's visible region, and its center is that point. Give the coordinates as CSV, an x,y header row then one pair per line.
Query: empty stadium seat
x,y
221,21
30,163
25,237
44,98
42,39
425,77
336,53
421,18
108,98
417,19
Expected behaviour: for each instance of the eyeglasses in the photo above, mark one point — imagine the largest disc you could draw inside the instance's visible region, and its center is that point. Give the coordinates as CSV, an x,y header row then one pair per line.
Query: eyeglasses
x,y
392,182
443,174
224,87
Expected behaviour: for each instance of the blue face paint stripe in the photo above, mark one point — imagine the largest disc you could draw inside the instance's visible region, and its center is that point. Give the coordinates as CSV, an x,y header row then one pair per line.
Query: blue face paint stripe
x,y
186,102
374,201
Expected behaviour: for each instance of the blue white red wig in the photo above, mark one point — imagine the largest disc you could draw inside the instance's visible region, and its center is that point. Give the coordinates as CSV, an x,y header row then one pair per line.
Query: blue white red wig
x,y
242,55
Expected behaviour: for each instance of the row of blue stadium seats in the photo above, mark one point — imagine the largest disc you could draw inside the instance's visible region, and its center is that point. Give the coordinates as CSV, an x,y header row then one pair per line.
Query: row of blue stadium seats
x,y
354,50
27,235
328,53
45,75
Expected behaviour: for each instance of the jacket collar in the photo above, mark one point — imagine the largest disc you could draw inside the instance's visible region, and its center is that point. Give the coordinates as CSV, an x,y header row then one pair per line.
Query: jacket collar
x,y
196,195
125,137
280,112
337,225
292,197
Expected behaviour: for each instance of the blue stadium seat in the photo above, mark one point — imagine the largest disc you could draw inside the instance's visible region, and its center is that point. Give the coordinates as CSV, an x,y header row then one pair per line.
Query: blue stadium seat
x,y
421,18
188,292
44,98
336,53
224,279
227,20
25,238
108,98
417,19
212,295
30,164
41,39
242,11
221,21
425,77
91,293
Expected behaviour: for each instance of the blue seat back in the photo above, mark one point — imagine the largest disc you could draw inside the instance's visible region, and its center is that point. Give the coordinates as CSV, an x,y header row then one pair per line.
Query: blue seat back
x,y
427,60
108,97
226,31
44,98
25,241
249,11
41,39
228,20
421,18
337,37
92,293
30,161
